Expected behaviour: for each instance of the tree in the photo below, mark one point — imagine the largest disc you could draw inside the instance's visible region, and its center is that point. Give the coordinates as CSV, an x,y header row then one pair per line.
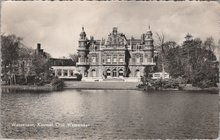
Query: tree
x,y
162,52
10,54
193,62
25,52
209,44
218,50
10,47
40,66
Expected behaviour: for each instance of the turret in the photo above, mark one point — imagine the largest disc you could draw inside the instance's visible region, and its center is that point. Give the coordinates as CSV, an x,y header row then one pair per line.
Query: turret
x,y
149,33
83,39
82,53
149,48
83,34
149,39
115,31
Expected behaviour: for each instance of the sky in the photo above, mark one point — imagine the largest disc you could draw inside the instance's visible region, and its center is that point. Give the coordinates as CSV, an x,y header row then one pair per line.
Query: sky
x,y
57,25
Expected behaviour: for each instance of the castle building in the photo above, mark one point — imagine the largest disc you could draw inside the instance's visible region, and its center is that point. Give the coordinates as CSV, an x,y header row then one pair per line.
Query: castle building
x,y
117,57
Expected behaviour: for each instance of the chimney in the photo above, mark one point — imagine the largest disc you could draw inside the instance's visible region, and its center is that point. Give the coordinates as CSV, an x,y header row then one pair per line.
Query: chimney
x,y
38,46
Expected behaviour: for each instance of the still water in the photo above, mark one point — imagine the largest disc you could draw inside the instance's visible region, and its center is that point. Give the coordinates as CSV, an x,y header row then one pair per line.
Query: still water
x,y
109,114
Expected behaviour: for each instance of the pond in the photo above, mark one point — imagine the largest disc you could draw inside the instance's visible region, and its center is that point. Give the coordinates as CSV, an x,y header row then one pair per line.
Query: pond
x,y
110,114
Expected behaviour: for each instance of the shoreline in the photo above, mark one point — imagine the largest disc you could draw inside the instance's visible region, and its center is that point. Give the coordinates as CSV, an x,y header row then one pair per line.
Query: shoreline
x,y
8,88
96,86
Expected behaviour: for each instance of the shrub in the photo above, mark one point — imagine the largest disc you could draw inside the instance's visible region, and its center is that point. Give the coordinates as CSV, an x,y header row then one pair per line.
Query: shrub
x,y
170,83
159,84
57,83
205,84
78,76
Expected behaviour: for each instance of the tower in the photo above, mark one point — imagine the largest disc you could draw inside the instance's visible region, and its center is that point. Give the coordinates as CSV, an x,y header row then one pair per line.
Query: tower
x,y
148,39
82,54
148,47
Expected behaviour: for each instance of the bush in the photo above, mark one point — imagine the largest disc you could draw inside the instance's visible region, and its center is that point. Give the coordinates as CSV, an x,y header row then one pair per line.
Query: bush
x,y
57,83
78,77
170,83
205,84
159,84
20,79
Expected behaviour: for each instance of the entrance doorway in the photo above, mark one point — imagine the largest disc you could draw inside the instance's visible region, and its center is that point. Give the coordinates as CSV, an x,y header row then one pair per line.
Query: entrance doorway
x,y
114,73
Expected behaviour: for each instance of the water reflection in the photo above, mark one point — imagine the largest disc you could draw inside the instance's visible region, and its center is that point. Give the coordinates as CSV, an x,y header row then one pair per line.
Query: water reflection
x,y
111,114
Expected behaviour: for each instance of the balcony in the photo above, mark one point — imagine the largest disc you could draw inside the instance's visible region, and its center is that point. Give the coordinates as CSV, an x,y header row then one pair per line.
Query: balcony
x,y
113,63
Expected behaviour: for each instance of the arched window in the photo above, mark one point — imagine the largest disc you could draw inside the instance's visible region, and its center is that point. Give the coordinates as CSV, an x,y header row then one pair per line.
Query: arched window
x,y
108,72
120,72
93,73
137,73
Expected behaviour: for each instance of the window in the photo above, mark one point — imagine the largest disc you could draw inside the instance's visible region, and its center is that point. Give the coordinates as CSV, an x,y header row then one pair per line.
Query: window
x,y
141,59
121,60
93,59
59,72
114,59
149,59
133,60
108,60
108,72
156,75
71,73
93,73
120,72
137,73
138,60
65,72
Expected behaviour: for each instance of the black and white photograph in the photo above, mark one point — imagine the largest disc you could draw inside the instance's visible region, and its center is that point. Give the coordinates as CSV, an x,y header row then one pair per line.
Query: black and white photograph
x,y
110,69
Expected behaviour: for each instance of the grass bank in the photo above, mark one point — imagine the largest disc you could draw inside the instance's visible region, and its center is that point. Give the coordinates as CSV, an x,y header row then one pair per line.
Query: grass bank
x,y
9,88
101,85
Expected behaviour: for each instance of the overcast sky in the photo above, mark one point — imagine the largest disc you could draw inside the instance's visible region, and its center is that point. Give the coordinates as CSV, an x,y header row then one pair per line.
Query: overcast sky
x,y
57,25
